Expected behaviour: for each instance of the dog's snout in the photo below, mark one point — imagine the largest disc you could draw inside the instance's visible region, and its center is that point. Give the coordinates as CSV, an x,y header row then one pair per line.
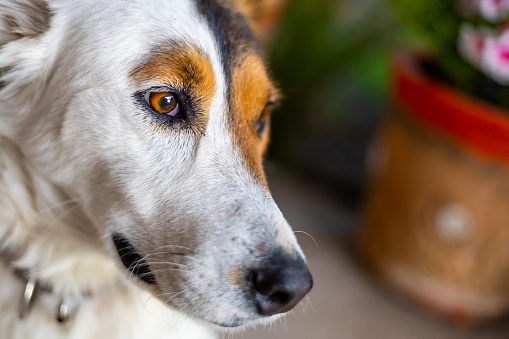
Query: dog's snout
x,y
280,284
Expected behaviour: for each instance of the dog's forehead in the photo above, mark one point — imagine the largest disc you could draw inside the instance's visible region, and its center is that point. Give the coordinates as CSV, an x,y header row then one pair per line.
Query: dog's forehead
x,y
248,86
241,56
225,62
235,51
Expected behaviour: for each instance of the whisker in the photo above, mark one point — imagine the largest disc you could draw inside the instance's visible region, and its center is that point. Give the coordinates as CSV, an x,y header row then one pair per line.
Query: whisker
x,y
175,246
309,235
162,270
169,253
173,295
162,262
309,304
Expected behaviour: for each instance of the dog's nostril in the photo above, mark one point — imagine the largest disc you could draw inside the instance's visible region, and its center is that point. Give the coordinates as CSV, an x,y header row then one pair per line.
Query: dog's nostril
x,y
280,297
280,284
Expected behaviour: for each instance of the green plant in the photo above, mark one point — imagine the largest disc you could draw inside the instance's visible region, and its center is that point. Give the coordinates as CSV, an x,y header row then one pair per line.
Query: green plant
x,y
468,41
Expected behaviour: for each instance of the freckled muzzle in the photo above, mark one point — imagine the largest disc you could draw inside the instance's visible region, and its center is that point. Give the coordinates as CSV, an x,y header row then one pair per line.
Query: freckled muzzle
x,y
273,285
279,283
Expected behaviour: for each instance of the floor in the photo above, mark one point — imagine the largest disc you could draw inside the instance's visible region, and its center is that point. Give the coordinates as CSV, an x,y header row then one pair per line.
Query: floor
x,y
345,303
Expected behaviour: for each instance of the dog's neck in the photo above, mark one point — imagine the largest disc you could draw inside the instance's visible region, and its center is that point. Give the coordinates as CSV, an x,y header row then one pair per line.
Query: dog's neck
x,y
46,233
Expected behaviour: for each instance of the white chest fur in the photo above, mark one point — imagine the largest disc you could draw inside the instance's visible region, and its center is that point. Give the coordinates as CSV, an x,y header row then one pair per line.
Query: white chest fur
x,y
117,313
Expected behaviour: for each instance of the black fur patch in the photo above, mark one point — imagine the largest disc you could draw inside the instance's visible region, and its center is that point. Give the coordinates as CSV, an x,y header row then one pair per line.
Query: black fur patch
x,y
232,33
132,260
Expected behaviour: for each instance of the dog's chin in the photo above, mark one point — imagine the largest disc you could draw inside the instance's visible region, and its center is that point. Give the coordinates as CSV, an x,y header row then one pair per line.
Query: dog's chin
x,y
238,325
235,323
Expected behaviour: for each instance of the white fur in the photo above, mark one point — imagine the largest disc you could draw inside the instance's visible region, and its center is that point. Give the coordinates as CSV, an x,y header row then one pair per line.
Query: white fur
x,y
78,162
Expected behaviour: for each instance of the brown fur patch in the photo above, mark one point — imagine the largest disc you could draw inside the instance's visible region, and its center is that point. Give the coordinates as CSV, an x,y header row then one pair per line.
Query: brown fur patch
x,y
251,9
260,248
251,91
183,67
236,276
262,15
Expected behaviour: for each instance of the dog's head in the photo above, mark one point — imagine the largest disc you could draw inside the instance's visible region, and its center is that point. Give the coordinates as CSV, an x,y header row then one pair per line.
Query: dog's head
x,y
154,116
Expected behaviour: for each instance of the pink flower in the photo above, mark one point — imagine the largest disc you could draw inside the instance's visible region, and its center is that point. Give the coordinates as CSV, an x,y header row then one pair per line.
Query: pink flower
x,y
493,10
495,58
487,51
490,10
472,43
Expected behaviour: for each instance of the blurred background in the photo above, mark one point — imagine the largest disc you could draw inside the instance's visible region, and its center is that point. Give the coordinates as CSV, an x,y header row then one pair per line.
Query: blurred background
x,y
331,60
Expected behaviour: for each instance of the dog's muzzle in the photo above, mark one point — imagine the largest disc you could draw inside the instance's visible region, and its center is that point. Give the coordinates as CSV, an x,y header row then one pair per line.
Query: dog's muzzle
x,y
273,285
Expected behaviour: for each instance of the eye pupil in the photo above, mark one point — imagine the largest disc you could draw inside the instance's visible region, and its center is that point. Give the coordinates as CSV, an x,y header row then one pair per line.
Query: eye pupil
x,y
164,102
167,102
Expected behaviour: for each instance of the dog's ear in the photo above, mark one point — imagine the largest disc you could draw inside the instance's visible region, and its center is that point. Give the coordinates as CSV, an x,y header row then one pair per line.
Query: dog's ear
x,y
21,52
23,18
262,15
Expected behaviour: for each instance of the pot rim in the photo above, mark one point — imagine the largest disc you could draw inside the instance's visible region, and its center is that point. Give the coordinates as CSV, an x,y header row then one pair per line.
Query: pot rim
x,y
476,125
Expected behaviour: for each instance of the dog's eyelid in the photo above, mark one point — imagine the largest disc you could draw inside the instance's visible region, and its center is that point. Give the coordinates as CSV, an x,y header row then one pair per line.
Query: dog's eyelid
x,y
268,108
159,89
273,103
264,116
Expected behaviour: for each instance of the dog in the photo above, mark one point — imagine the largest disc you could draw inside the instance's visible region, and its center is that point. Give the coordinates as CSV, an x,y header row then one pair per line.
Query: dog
x,y
133,202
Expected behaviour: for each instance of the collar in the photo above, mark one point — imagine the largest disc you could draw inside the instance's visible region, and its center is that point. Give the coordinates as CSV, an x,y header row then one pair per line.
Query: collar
x,y
65,307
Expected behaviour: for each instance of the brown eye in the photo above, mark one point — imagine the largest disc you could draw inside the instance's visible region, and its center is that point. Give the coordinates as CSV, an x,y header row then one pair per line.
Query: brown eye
x,y
261,123
163,102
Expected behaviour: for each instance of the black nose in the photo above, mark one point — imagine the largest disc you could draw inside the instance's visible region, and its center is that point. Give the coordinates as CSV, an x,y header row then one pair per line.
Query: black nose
x,y
280,283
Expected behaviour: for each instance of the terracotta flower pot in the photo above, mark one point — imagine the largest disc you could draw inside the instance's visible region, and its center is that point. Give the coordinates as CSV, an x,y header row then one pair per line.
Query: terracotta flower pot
x,y
436,220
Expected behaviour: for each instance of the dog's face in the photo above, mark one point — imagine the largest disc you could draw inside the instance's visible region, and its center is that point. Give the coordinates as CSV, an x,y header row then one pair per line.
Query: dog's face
x,y
154,116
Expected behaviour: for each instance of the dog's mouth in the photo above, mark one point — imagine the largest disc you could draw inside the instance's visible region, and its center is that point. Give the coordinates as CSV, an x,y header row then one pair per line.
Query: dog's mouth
x,y
132,260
